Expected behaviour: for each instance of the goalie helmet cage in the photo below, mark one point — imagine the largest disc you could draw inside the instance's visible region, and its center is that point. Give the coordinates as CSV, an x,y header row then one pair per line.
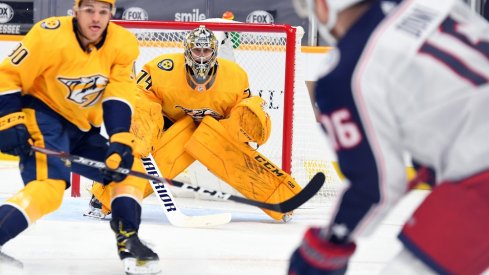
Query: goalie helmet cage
x,y
271,55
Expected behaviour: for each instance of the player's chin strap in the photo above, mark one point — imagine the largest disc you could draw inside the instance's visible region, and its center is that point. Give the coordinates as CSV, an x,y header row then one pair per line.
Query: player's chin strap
x,y
283,207
78,32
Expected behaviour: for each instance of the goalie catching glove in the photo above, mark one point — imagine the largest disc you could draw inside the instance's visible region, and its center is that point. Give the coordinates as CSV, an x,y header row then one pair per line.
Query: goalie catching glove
x,y
14,137
119,154
248,122
317,255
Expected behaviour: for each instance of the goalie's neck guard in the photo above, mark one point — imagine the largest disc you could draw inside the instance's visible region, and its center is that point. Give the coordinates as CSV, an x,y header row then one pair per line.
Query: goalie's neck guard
x,y
206,84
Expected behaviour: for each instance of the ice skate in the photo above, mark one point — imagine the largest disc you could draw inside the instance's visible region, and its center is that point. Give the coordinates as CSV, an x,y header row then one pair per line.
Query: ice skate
x,y
95,210
136,256
287,217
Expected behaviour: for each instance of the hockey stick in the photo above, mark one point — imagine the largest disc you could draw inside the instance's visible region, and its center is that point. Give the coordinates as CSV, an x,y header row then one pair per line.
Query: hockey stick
x,y
283,207
172,212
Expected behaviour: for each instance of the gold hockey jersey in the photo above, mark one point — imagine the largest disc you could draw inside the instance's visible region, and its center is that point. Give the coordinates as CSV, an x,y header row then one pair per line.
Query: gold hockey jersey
x,y
164,81
50,65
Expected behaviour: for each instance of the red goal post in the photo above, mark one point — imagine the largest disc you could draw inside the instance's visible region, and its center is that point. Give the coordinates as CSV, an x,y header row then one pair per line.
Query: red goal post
x,y
271,55
290,52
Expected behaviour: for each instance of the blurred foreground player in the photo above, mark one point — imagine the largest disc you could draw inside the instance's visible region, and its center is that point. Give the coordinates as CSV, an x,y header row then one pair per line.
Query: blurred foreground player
x,y
65,77
409,76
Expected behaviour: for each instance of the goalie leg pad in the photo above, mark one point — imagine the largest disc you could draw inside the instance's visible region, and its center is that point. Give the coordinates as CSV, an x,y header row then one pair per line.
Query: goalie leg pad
x,y
39,197
102,193
248,122
245,169
169,153
448,231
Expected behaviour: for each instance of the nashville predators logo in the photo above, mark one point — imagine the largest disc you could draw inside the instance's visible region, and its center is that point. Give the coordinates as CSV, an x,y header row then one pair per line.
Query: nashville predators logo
x,y
198,114
50,24
166,64
85,91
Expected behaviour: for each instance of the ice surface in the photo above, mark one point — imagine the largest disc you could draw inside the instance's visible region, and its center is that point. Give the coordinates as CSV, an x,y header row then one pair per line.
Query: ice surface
x,y
65,242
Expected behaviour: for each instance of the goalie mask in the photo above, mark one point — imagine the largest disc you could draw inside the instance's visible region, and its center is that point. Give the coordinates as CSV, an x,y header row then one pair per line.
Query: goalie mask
x,y
200,54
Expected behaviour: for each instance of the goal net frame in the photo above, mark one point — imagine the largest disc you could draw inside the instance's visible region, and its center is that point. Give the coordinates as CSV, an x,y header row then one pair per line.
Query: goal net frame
x,y
291,46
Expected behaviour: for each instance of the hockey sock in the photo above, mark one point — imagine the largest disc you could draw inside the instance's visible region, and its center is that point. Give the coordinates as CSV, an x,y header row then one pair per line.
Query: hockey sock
x,y
12,223
128,211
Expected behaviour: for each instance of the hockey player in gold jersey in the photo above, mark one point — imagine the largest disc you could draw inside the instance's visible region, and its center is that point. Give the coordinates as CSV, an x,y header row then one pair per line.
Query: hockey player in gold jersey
x,y
67,76
210,116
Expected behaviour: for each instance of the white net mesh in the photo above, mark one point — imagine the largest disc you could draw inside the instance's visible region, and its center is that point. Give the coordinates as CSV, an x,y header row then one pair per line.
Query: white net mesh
x,y
262,53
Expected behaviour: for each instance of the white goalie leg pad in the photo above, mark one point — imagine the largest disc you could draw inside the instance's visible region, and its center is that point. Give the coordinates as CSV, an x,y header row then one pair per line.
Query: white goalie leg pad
x,y
135,267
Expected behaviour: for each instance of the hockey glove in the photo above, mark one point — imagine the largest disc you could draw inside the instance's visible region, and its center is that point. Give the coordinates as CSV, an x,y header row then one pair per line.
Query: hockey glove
x,y
119,154
316,256
14,137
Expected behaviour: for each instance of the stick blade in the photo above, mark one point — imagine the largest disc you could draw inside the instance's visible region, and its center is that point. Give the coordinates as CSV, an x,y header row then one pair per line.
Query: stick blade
x,y
304,195
180,220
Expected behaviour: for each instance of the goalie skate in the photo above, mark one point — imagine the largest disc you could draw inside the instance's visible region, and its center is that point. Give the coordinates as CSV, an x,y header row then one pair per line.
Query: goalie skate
x,y
287,217
95,210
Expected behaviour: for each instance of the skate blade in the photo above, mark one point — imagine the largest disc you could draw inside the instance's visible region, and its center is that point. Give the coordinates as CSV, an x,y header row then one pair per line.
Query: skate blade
x,y
11,261
96,215
135,267
287,217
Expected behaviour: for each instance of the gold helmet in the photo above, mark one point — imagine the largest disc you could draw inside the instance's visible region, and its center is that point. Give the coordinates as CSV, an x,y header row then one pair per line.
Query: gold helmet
x,y
111,2
200,50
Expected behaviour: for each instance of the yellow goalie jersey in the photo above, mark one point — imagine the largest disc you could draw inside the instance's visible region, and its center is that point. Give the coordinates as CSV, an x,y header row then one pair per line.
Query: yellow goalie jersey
x,y
164,81
66,77
221,108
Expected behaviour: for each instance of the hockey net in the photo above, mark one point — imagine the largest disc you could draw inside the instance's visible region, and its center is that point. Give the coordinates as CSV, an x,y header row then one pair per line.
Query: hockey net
x,y
271,55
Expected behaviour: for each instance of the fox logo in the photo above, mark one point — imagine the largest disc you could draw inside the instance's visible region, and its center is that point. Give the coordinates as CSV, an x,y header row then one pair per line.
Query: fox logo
x,y
85,91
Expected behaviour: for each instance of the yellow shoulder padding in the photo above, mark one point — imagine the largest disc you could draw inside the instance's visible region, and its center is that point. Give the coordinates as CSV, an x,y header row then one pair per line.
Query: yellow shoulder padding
x,y
242,167
39,198
248,122
169,153
12,119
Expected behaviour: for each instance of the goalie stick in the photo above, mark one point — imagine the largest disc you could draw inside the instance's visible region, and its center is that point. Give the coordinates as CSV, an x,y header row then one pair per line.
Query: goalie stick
x,y
172,212
283,207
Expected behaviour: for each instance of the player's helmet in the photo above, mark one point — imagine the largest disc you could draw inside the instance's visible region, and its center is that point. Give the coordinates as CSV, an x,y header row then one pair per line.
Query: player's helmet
x,y
304,8
200,50
111,2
